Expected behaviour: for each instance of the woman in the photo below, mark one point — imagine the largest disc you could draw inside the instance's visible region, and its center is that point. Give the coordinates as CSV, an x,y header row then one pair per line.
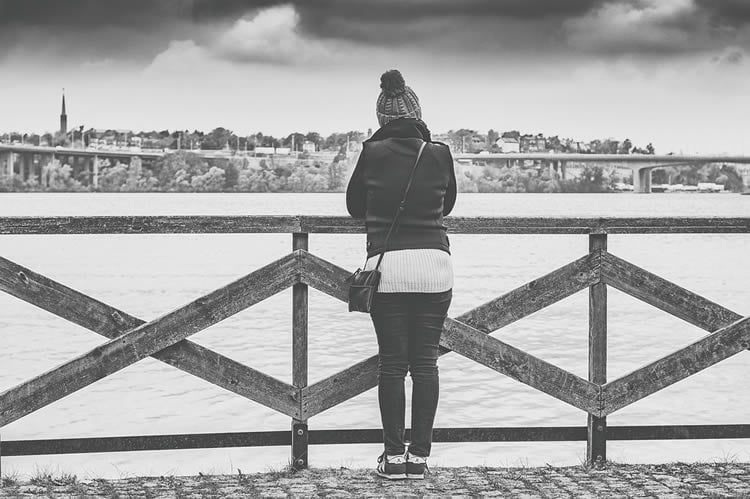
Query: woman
x,y
416,284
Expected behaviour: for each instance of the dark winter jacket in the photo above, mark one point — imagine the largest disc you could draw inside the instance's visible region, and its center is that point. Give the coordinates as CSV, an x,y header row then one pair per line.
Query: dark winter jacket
x,y
378,181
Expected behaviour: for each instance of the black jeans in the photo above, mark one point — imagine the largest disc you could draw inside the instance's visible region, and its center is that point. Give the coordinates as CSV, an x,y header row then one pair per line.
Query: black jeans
x,y
408,327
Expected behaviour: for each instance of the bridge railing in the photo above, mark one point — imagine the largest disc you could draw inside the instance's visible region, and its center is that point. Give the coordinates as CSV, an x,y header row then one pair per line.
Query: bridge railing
x,y
131,339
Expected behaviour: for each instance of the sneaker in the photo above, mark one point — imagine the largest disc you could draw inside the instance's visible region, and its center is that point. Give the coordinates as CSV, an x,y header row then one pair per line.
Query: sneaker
x,y
415,466
391,467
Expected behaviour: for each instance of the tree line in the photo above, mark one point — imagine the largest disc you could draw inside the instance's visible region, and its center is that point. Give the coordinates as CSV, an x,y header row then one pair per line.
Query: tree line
x,y
217,139
184,171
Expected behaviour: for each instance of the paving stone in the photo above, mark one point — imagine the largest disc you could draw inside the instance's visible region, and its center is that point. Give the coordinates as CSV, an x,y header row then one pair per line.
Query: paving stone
x,y
612,481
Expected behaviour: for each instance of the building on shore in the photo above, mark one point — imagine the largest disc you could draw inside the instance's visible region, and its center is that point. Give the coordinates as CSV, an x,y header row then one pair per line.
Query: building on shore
x,y
63,117
508,144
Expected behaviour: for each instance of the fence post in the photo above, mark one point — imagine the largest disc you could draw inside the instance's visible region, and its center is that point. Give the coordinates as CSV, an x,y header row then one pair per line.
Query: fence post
x,y
299,359
596,444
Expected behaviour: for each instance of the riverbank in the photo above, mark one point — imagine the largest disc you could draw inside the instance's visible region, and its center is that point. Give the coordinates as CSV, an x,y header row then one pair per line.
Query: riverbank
x,y
612,480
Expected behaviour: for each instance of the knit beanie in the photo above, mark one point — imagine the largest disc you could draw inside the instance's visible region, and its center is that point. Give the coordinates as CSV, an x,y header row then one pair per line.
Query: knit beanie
x,y
396,100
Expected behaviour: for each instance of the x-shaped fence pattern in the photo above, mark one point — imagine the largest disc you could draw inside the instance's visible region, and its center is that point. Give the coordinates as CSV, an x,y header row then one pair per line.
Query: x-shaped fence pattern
x,y
165,338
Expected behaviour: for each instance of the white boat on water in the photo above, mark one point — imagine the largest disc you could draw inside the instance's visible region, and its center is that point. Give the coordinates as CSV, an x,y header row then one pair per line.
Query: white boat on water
x,y
709,187
701,187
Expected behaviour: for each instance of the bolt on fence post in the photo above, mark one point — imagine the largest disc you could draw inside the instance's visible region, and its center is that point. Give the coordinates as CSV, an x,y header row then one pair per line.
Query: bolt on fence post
x,y
300,439
596,442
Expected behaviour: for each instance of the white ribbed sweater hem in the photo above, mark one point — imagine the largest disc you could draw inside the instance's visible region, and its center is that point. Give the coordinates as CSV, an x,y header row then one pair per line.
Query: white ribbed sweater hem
x,y
414,271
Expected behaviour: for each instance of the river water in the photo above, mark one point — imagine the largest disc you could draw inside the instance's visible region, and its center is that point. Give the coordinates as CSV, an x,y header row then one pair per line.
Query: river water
x,y
149,275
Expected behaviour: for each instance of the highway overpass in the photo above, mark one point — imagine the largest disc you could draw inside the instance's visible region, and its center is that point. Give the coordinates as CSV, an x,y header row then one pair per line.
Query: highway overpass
x,y
641,164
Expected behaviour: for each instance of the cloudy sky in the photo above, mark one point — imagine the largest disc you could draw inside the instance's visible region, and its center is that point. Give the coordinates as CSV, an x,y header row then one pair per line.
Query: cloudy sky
x,y
674,72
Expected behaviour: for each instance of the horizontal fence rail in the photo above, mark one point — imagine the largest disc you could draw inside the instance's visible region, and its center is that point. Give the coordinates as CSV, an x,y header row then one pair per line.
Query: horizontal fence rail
x,y
188,224
130,339
364,436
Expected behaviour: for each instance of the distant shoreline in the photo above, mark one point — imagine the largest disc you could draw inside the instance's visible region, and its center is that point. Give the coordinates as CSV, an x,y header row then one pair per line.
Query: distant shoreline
x,y
343,192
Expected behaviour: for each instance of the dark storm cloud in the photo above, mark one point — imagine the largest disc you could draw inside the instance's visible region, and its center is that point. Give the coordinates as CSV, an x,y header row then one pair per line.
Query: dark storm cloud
x,y
390,22
131,14
140,29
90,29
731,12
139,14
397,10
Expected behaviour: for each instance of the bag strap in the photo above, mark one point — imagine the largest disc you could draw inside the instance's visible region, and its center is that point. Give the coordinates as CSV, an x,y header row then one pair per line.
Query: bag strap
x,y
402,205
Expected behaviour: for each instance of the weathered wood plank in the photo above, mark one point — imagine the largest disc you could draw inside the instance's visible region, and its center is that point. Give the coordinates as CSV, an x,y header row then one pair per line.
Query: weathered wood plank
x,y
677,366
534,295
233,376
521,366
679,432
340,387
78,308
665,295
209,224
362,436
300,439
551,225
617,225
596,441
480,434
62,301
146,442
347,225
147,339
299,316
300,445
324,276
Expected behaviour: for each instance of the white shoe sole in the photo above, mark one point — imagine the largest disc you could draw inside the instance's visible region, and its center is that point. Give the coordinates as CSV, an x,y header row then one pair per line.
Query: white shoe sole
x,y
391,477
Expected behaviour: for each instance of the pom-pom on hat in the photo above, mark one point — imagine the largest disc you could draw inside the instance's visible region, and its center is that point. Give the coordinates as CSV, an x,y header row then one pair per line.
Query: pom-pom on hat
x,y
396,99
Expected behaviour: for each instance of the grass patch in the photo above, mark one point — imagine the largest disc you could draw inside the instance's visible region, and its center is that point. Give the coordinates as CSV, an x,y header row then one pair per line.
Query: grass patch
x,y
9,480
46,478
584,463
283,472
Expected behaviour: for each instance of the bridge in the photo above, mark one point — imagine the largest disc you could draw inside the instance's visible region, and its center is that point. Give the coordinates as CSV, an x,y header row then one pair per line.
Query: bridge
x,y
640,164
28,160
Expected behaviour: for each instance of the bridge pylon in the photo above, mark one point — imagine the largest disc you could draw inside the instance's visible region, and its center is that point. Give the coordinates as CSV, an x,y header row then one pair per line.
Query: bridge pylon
x,y
642,180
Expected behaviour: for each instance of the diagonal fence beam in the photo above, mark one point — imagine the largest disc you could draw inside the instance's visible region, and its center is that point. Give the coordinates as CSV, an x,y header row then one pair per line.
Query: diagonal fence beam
x,y
535,295
340,387
147,339
521,366
508,308
111,322
232,376
677,366
357,379
665,295
324,276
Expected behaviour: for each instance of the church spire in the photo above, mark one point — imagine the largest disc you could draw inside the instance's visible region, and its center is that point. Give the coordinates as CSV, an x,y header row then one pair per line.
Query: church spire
x,y
63,116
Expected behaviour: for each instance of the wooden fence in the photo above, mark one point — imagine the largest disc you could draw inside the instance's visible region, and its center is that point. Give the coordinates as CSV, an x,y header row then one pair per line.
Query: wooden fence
x,y
131,339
